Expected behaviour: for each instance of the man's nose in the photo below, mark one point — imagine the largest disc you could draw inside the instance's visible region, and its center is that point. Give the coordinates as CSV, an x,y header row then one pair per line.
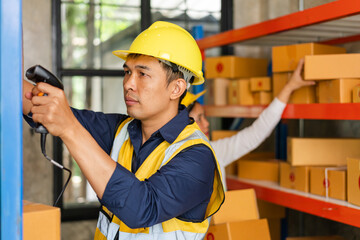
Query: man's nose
x,y
129,82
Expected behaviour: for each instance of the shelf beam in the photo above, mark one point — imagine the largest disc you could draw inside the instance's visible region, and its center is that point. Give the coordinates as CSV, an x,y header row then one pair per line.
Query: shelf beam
x,y
325,111
300,202
326,12
342,40
319,111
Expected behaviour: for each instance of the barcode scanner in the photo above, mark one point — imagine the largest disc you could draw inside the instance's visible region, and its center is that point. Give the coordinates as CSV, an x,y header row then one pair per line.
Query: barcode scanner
x,y
38,74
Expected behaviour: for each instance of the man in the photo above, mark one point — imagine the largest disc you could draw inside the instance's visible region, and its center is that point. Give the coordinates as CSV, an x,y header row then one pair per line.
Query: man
x,y
153,171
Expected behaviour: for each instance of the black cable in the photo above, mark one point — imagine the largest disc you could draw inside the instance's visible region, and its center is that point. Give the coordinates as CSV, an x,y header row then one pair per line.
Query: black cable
x,y
43,150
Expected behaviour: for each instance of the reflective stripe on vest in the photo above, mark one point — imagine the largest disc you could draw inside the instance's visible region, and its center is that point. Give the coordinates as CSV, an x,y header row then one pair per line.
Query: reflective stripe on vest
x,y
174,228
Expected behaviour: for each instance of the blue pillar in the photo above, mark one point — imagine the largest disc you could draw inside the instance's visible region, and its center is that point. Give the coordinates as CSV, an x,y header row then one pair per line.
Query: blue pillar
x,y
198,33
10,119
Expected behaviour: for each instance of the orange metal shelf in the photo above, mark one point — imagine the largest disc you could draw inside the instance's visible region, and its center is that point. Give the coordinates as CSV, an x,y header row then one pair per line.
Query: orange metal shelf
x,y
336,210
330,111
326,12
233,111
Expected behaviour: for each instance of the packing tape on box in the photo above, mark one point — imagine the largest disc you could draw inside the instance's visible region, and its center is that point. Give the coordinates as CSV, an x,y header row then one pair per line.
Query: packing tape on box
x,y
326,183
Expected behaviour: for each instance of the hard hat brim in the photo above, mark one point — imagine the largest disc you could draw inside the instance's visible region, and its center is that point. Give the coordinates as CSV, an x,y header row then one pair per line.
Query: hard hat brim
x,y
199,79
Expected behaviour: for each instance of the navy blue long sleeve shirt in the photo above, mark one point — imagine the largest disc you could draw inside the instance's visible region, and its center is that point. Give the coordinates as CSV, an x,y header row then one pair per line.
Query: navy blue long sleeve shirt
x,y
181,188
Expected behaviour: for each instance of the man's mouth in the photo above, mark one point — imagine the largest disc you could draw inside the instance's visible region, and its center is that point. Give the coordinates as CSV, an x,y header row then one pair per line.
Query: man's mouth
x,y
130,100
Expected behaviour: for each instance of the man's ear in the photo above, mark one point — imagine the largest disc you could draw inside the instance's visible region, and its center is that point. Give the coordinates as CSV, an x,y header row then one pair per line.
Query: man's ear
x,y
178,87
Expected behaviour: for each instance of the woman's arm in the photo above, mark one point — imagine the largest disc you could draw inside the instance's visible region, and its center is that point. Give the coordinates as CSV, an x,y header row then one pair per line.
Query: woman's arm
x,y
230,149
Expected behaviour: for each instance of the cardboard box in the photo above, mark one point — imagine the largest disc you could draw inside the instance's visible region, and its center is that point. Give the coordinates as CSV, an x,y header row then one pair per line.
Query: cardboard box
x,y
233,92
232,169
321,151
40,222
336,182
243,230
217,90
303,95
294,177
353,180
219,134
337,91
286,58
316,238
273,213
245,96
262,98
235,67
259,156
269,210
279,82
356,94
334,66
260,84
239,205
267,170
239,92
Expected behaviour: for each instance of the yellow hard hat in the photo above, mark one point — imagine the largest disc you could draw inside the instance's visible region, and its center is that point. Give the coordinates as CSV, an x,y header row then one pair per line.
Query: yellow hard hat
x,y
169,42
190,98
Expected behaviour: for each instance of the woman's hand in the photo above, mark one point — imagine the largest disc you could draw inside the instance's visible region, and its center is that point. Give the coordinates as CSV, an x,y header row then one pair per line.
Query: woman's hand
x,y
295,82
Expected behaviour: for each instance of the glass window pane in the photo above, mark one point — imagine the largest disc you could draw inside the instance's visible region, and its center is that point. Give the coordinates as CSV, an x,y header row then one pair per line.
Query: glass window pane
x,y
134,3
95,93
204,5
90,32
189,14
165,4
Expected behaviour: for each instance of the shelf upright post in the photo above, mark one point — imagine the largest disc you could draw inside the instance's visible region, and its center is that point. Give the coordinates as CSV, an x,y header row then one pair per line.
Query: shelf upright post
x,y
281,133
198,33
11,119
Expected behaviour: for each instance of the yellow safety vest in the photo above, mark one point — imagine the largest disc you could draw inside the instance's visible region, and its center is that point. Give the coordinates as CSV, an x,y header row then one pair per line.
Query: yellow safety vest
x,y
110,226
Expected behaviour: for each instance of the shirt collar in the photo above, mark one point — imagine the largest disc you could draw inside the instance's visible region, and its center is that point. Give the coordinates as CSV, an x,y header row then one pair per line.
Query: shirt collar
x,y
169,131
175,126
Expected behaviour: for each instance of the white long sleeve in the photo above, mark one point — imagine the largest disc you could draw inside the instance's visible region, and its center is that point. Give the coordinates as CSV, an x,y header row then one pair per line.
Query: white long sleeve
x,y
232,148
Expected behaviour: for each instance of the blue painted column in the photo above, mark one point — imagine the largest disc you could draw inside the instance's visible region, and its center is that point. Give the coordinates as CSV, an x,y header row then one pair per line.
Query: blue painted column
x,y
198,33
10,119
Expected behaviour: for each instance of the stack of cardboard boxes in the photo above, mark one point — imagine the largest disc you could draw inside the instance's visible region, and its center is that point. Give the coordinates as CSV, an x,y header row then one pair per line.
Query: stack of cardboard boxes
x,y
233,80
327,167
256,166
318,165
285,60
229,80
238,218
338,76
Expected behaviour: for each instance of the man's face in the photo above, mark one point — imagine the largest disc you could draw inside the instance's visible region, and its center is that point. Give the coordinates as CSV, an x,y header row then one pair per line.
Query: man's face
x,y
145,88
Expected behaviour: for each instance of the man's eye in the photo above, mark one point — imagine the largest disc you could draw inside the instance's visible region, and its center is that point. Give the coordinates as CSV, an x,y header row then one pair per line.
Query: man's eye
x,y
127,72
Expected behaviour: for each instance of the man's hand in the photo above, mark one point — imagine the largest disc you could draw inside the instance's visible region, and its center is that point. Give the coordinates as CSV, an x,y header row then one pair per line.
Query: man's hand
x,y
52,111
